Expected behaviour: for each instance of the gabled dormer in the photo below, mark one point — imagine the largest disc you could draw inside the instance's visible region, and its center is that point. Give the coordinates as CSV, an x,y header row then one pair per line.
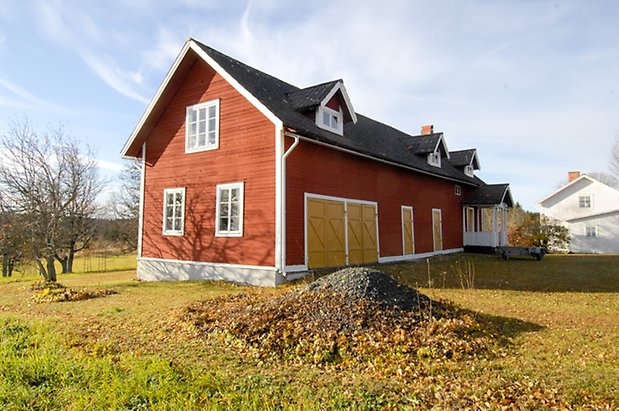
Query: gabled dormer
x,y
327,104
465,160
430,145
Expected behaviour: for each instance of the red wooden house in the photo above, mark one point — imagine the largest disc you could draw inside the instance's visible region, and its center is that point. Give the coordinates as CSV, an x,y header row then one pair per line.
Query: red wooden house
x,y
251,179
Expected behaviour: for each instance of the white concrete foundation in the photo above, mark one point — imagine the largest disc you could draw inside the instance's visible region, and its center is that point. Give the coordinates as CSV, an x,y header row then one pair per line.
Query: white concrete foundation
x,y
156,269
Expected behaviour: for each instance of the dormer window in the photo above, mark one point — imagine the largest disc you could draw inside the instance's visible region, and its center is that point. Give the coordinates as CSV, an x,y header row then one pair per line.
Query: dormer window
x,y
434,159
330,119
468,170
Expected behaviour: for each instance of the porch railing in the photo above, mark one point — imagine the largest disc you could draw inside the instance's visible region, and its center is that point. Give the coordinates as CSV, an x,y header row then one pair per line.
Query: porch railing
x,y
485,238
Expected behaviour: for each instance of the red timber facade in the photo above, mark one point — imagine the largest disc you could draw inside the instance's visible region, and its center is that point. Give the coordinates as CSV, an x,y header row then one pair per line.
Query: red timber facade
x,y
250,179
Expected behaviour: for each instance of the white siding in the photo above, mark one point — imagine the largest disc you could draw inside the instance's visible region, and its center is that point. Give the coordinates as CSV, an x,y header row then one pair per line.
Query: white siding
x,y
607,239
563,207
564,204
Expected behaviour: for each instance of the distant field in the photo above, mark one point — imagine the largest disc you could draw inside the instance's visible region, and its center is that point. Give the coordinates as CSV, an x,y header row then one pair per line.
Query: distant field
x,y
84,263
129,350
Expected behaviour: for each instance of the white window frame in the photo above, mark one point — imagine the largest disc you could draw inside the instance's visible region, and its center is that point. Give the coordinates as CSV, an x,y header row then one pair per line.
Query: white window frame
x,y
582,201
339,115
468,170
230,233
434,159
458,190
173,232
591,231
206,147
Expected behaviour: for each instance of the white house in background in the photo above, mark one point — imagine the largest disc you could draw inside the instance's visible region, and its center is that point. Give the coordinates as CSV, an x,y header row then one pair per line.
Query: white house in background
x,y
590,211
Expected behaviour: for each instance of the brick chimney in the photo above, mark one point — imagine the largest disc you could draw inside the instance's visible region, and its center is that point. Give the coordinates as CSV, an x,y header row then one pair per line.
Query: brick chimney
x,y
425,130
572,175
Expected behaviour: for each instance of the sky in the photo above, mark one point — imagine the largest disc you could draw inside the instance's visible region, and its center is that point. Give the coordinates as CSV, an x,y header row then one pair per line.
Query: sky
x,y
532,84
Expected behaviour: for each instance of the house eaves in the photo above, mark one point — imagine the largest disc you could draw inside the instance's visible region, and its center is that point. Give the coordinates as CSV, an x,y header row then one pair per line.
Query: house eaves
x,y
548,197
594,215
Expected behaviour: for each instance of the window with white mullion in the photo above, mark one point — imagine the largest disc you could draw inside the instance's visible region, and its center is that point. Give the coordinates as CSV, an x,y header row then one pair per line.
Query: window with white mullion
x,y
173,211
584,201
330,119
230,210
202,131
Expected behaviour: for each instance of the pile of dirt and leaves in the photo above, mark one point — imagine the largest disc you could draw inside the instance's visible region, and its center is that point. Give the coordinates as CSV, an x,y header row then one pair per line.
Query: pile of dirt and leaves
x,y
48,291
355,314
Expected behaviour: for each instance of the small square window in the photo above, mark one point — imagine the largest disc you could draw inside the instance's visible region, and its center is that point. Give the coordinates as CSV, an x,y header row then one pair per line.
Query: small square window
x,y
584,201
329,119
591,231
434,159
468,170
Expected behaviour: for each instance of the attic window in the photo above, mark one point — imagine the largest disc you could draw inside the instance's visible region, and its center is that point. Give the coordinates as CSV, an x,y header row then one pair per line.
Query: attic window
x,y
202,127
330,119
434,159
584,202
468,170
458,190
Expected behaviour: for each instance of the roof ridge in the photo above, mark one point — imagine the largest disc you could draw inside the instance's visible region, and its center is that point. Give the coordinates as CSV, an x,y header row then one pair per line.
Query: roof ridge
x,y
315,86
210,50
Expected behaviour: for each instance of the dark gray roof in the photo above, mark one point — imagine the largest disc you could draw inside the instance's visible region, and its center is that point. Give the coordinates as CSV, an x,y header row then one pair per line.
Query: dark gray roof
x,y
489,194
422,144
366,136
462,158
311,96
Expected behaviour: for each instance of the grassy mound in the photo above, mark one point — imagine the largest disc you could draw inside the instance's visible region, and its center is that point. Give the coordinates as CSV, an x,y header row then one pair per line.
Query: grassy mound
x,y
355,315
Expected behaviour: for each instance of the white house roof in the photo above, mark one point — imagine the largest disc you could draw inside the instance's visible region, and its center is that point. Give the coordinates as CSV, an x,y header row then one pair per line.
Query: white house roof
x,y
575,181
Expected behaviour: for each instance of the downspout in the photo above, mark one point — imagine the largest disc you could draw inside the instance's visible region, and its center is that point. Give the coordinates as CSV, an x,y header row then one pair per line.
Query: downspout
x,y
141,210
283,203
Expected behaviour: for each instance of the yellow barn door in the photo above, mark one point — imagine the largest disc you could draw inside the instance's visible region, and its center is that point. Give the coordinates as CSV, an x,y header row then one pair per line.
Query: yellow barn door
x,y
362,242
437,229
408,237
326,233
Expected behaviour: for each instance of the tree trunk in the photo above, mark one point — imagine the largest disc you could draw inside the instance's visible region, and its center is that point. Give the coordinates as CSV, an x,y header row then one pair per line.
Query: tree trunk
x,y
42,270
70,258
51,269
5,266
63,263
67,266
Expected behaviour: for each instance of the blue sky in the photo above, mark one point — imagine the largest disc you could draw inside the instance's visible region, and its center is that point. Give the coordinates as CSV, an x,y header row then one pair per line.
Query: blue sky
x,y
533,85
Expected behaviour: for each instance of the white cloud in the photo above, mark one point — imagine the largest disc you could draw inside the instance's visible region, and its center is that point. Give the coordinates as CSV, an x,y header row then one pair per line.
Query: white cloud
x,y
532,85
75,29
109,166
25,99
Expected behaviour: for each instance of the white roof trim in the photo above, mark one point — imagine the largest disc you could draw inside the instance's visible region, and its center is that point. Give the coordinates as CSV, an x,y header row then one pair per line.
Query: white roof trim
x,y
594,215
438,143
340,86
191,44
475,157
593,180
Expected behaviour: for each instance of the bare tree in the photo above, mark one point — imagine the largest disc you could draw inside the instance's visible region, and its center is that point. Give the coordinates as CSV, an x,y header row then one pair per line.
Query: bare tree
x,y
46,180
126,204
605,178
82,184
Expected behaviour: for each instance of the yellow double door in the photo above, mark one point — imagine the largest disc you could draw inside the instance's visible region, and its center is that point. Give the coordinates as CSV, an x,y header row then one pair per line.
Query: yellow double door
x,y
340,233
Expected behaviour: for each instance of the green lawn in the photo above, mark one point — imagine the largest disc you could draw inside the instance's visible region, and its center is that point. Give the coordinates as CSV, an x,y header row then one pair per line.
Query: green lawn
x,y
129,350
